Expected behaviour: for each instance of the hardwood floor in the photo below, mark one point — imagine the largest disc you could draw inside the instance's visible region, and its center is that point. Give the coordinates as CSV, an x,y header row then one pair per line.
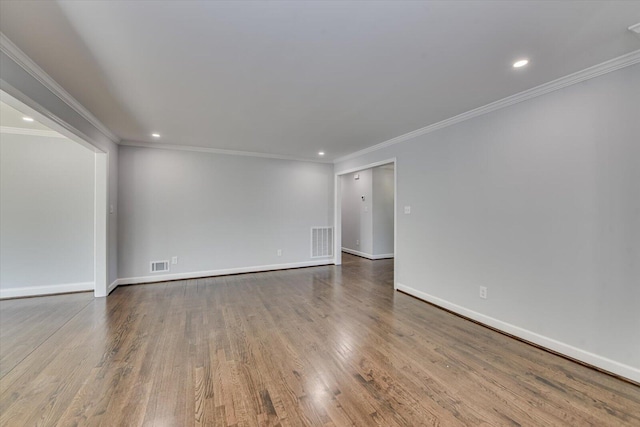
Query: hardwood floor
x,y
317,346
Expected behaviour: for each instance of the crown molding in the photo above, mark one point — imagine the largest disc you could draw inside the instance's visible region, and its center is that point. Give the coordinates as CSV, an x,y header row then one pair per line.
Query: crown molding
x,y
11,50
193,148
33,132
20,58
580,76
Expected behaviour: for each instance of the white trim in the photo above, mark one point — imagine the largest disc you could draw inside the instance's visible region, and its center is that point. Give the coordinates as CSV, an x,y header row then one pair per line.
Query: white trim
x,y
217,151
33,291
366,255
100,223
28,106
566,349
369,166
20,58
112,286
588,73
395,220
223,272
337,219
33,132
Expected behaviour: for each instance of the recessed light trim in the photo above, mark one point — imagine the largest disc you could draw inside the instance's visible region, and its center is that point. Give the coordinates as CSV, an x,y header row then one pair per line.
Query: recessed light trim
x,y
520,63
27,119
155,135
320,153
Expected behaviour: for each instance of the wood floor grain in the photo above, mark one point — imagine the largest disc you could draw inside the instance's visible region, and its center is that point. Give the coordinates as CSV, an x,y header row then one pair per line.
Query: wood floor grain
x,y
318,346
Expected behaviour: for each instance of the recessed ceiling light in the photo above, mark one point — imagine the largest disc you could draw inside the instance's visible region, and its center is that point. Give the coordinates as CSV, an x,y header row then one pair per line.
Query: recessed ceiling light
x,y
155,135
520,63
320,153
27,119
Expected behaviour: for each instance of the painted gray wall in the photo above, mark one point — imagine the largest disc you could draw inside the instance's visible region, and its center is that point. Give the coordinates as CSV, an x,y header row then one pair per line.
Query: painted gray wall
x,y
46,212
382,209
216,211
357,215
540,202
29,90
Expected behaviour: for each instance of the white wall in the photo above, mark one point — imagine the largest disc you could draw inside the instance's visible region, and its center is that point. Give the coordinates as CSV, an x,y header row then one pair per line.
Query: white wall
x,y
357,215
217,212
46,215
539,202
382,209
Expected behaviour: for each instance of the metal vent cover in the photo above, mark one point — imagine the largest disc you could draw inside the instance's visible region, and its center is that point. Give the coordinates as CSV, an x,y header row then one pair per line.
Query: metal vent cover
x,y
159,266
321,242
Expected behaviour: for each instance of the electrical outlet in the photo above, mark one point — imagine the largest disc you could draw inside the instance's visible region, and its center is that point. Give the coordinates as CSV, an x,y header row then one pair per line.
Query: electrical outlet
x,y
357,242
407,210
483,292
174,260
279,252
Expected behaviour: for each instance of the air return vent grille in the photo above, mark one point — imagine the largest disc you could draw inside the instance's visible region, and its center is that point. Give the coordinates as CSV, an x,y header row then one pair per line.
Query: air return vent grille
x,y
321,242
159,266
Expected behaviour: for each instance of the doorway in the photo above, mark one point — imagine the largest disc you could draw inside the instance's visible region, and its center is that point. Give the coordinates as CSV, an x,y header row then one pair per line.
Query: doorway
x,y
55,192
365,212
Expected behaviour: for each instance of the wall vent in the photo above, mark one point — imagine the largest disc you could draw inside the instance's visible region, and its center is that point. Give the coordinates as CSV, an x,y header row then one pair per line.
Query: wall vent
x,y
159,266
321,242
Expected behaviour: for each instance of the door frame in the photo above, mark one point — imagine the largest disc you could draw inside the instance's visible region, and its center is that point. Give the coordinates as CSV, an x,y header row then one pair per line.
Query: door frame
x,y
27,106
337,215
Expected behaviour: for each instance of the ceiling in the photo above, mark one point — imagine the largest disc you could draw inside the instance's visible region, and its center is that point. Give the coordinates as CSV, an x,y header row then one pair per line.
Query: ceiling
x,y
12,118
294,78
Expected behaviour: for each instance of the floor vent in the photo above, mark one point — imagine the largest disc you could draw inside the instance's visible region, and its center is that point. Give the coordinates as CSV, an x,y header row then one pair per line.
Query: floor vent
x,y
159,266
321,242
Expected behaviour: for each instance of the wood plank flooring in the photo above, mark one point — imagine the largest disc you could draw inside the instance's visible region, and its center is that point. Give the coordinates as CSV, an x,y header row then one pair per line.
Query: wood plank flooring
x,y
318,346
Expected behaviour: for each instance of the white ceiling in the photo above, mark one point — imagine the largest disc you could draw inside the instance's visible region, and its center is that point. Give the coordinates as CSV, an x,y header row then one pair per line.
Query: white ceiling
x,y
12,118
292,78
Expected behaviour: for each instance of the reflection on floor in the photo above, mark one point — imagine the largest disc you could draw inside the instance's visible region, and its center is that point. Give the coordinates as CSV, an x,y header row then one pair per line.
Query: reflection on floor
x,y
314,346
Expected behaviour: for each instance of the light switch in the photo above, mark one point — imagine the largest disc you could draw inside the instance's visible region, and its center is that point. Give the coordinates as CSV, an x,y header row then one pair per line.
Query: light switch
x,y
110,209
407,210
366,208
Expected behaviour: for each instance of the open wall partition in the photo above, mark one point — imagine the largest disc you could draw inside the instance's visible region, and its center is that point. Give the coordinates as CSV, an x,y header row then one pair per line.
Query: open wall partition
x,y
338,193
23,81
54,207
368,212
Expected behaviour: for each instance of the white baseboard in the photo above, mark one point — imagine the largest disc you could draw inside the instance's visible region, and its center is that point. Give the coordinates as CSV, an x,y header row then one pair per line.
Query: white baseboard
x,y
382,256
546,342
224,272
366,255
33,291
112,286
